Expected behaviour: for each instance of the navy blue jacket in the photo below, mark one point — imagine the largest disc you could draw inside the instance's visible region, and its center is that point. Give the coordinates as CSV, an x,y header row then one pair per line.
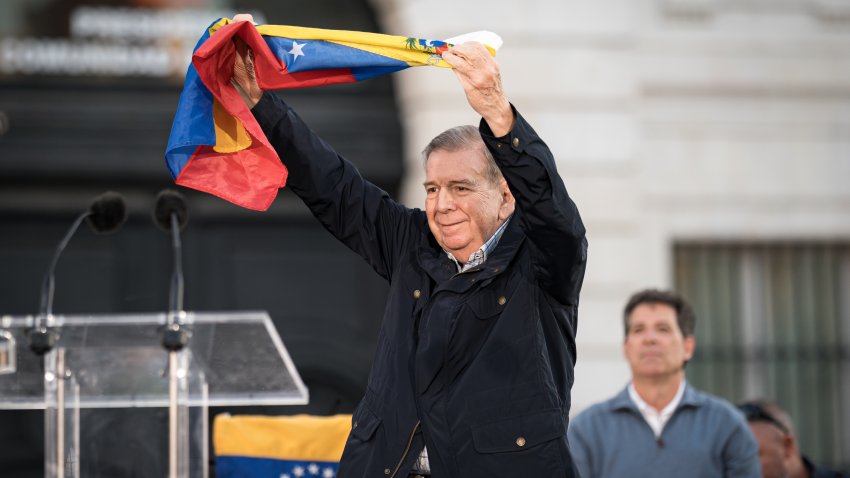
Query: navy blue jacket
x,y
478,366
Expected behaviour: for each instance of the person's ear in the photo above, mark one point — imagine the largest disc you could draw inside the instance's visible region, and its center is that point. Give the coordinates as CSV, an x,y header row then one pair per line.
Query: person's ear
x,y
789,446
508,202
690,343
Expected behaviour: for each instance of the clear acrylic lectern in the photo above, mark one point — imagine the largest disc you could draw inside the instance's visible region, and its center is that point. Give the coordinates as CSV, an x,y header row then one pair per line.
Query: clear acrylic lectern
x,y
102,366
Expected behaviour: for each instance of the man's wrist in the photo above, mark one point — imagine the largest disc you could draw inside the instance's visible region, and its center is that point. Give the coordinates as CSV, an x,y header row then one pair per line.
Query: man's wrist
x,y
502,121
250,99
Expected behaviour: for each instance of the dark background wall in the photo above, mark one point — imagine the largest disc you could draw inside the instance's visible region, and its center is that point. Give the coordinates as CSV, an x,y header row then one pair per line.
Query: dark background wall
x,y
70,138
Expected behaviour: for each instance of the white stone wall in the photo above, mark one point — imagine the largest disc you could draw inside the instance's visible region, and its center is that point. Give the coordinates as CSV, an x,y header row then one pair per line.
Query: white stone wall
x,y
670,119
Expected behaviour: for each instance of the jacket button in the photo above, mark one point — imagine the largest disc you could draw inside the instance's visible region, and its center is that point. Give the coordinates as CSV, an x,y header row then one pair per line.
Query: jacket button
x,y
502,300
520,441
417,294
387,471
515,142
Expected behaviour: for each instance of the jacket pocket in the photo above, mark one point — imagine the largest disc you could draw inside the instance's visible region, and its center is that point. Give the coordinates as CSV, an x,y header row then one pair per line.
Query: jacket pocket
x,y
486,304
364,423
518,433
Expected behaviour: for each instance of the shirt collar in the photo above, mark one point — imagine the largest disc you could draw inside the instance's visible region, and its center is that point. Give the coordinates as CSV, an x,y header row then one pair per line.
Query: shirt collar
x,y
644,407
479,256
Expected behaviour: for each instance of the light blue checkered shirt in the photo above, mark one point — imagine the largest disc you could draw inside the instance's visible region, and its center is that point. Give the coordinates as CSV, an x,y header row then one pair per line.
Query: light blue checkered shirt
x,y
479,256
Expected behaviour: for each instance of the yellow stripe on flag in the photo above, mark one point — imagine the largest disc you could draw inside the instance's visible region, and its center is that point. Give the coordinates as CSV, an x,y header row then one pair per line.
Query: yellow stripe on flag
x,y
223,22
411,57
297,437
230,135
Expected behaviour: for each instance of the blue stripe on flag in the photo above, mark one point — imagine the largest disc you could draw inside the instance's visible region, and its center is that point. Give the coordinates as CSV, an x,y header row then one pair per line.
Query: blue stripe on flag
x,y
193,121
250,467
322,55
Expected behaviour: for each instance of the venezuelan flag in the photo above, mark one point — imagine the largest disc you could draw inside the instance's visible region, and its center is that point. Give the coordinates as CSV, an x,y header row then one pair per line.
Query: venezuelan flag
x,y
216,145
290,446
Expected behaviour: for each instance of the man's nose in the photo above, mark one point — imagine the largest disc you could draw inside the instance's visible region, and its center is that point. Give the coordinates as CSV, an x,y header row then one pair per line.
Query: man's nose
x,y
445,201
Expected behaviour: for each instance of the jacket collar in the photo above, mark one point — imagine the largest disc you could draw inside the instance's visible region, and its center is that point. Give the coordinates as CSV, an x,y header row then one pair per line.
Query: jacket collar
x,y
436,263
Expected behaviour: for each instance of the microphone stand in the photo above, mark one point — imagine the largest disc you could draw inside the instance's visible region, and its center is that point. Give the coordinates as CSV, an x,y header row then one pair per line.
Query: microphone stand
x,y
105,215
42,337
174,339
175,303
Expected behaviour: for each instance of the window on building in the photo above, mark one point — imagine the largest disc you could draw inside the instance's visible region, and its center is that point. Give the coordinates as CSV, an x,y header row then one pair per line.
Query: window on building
x,y
773,321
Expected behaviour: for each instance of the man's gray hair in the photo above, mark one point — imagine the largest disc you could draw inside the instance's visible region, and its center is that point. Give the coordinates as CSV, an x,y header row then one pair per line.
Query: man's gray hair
x,y
462,138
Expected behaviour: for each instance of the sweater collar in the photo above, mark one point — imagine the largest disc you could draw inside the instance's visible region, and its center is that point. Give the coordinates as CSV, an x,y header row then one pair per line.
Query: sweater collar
x,y
690,398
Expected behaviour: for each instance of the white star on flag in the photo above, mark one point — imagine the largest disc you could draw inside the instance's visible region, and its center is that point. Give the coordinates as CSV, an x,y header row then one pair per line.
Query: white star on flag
x,y
296,50
328,473
313,469
285,475
298,471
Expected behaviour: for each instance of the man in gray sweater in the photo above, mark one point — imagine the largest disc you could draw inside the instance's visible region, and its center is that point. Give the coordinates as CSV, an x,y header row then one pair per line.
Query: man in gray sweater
x,y
660,426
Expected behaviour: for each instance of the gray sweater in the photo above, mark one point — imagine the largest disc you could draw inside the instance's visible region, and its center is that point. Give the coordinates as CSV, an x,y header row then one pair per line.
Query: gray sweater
x,y
705,437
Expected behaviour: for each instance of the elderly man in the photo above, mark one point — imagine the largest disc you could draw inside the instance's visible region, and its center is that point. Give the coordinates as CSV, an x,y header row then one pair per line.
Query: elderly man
x,y
474,364
779,451
659,426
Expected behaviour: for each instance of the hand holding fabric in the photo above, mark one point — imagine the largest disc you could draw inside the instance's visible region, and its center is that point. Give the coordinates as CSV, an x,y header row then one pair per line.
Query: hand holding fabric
x,y
244,76
478,73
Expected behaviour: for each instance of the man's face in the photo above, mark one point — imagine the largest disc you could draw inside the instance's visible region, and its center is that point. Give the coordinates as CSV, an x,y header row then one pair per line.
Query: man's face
x,y
773,449
463,207
654,345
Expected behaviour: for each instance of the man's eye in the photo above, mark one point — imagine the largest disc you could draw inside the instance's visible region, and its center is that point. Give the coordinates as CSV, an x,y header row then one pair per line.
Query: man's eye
x,y
430,189
461,189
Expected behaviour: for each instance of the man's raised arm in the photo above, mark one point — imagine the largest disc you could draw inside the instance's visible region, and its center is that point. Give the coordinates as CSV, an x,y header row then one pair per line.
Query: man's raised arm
x,y
548,216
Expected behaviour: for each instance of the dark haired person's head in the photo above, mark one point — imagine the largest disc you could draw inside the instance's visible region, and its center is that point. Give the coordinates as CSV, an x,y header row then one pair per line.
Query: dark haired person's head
x,y
659,333
779,454
684,313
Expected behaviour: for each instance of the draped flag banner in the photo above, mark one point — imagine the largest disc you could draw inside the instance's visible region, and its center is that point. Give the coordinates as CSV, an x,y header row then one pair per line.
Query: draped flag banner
x,y
216,145
298,446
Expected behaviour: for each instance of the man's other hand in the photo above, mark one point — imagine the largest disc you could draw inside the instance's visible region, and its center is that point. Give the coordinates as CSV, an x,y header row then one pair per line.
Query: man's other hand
x,y
479,75
244,78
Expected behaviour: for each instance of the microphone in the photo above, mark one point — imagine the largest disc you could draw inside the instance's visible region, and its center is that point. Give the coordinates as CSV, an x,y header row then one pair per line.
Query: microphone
x,y
170,202
171,214
105,215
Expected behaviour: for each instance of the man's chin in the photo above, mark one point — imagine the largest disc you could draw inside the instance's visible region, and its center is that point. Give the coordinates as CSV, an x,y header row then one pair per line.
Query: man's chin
x,y
455,247
454,243
656,373
452,230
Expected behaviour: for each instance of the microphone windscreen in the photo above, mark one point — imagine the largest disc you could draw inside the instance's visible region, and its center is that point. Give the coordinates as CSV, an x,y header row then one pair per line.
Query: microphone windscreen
x,y
170,201
108,213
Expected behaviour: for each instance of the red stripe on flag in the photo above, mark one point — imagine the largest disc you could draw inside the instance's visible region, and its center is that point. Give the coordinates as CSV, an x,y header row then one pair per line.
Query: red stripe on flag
x,y
249,178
